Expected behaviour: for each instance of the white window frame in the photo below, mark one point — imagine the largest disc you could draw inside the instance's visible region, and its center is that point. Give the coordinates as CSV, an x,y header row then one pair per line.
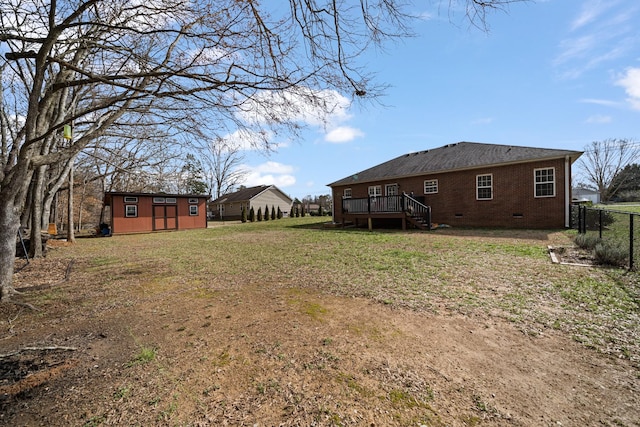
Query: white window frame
x,y
430,186
193,210
347,193
377,190
539,183
479,187
388,186
159,200
133,208
130,199
171,200
193,200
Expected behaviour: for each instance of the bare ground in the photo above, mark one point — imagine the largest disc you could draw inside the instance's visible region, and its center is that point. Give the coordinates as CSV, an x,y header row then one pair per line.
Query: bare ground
x,y
273,354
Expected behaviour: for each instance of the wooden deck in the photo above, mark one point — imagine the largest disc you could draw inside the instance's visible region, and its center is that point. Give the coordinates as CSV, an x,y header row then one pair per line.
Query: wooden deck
x,y
402,207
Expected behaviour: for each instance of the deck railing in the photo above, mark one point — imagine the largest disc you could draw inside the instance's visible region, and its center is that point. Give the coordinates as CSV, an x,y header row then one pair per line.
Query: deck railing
x,y
385,204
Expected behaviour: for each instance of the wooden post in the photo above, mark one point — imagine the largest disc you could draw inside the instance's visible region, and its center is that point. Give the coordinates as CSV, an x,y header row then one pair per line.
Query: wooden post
x,y
370,224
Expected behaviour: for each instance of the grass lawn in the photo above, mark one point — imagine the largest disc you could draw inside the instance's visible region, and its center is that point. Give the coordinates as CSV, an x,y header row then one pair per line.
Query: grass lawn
x,y
289,323
506,273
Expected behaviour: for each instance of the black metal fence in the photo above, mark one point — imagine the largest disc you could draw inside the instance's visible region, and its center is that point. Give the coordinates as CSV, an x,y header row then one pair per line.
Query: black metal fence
x,y
617,227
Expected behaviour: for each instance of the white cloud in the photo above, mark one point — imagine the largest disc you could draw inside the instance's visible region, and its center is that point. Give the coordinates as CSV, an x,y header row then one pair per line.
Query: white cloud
x,y
269,173
245,139
603,102
482,121
324,109
630,81
298,104
599,119
590,11
602,32
343,134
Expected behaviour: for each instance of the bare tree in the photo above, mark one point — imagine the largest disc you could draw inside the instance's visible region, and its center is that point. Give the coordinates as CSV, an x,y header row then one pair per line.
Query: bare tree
x,y
603,160
185,64
223,159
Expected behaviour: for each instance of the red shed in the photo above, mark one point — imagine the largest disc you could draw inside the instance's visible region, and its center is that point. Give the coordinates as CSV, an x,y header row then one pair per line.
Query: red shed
x,y
147,212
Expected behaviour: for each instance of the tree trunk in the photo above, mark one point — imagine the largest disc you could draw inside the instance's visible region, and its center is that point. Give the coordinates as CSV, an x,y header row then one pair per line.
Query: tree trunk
x,y
12,197
71,238
25,218
81,204
35,236
9,224
52,193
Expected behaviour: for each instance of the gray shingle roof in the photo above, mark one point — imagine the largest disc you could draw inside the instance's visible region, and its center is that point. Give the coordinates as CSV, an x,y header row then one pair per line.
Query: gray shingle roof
x,y
247,194
452,157
241,195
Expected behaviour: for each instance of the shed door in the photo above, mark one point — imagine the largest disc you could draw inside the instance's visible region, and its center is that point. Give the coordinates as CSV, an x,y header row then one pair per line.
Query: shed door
x,y
165,217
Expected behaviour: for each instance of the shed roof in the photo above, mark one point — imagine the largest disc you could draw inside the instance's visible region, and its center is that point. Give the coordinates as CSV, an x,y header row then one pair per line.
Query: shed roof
x,y
452,157
108,195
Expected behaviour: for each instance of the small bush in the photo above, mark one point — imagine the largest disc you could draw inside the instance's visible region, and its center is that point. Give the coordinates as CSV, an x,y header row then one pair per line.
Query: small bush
x,y
266,213
594,216
252,215
587,241
273,212
259,215
611,253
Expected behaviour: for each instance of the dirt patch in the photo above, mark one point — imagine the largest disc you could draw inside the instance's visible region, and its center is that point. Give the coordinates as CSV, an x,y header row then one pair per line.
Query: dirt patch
x,y
271,353
573,255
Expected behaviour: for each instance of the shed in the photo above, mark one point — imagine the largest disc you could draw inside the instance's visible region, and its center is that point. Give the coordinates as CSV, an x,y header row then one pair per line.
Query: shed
x,y
148,212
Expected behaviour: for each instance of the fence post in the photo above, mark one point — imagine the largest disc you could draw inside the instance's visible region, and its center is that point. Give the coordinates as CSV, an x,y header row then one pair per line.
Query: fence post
x,y
600,224
631,241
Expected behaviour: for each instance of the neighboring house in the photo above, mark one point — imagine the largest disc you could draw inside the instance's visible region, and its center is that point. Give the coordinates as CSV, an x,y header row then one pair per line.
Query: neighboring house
x,y
147,212
464,184
229,206
583,194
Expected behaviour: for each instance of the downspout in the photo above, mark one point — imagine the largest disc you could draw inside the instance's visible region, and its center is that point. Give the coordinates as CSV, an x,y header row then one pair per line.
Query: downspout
x,y
567,191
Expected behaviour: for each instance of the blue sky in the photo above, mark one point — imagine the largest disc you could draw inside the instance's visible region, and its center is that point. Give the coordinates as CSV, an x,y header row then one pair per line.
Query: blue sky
x,y
554,73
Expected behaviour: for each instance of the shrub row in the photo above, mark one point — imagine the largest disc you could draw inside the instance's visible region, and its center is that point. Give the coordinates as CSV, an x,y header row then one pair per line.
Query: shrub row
x,y
606,252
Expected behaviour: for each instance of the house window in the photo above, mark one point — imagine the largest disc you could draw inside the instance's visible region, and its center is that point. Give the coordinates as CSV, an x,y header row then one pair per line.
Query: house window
x,y
193,210
391,189
158,200
484,187
193,200
171,200
430,186
130,211
130,199
545,182
375,191
347,193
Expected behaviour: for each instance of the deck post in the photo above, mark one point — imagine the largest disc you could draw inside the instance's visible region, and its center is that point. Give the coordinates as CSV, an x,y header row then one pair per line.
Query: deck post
x,y
370,224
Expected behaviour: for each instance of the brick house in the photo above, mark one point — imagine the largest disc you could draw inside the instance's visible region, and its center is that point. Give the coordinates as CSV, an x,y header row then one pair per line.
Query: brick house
x,y
148,212
466,184
229,206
